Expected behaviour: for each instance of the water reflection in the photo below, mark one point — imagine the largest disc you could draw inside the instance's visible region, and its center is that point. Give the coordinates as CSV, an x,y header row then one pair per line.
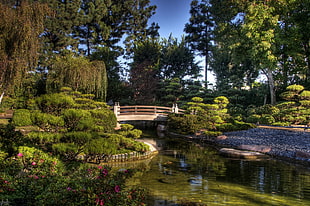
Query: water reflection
x,y
185,171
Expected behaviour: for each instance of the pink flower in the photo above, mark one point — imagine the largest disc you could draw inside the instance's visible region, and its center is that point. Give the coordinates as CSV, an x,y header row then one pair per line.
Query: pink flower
x,y
117,189
69,188
99,202
20,155
105,172
100,167
33,163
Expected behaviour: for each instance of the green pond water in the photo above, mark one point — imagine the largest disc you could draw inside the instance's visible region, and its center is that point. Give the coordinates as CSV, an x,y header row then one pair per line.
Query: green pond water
x,y
188,172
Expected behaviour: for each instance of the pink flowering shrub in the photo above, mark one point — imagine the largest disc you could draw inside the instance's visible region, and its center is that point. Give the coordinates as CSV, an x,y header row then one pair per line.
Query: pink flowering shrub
x,y
41,179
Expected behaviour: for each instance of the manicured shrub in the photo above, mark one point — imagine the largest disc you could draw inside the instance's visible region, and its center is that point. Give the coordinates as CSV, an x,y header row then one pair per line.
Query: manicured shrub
x,y
69,151
47,122
104,118
128,130
212,133
73,117
295,88
41,138
266,119
184,124
54,103
21,117
281,123
243,125
226,127
254,118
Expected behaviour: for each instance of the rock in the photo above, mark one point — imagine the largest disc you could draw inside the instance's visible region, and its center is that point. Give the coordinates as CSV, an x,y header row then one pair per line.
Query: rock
x,y
257,148
234,153
301,154
221,137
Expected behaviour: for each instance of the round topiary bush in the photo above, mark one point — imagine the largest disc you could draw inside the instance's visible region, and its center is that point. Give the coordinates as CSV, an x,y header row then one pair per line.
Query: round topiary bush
x,y
22,117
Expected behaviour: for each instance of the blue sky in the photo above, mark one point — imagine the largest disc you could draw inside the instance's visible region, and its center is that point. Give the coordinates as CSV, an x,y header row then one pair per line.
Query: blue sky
x,y
171,15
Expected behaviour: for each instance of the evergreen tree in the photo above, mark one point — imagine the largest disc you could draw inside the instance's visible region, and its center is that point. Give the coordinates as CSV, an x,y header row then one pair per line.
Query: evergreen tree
x,y
144,71
199,30
177,61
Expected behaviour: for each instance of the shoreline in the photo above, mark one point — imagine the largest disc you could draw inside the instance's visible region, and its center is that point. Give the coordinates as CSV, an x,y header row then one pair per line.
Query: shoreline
x,y
291,145
284,144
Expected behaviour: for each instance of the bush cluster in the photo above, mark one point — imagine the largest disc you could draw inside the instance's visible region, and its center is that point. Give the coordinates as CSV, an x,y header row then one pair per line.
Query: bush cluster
x,y
43,166
294,110
213,119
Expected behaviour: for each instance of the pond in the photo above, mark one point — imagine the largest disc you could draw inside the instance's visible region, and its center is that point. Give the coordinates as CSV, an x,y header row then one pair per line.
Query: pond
x,y
184,171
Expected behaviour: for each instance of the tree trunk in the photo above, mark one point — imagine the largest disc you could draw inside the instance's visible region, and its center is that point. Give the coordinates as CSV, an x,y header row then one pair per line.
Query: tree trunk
x,y
206,71
1,97
271,87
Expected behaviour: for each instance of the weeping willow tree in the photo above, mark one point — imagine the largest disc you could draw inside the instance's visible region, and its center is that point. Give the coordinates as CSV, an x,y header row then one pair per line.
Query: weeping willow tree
x,y
78,73
20,26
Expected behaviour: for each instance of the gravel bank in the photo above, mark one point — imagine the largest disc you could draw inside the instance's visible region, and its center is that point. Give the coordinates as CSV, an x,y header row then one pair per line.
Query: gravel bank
x,y
286,144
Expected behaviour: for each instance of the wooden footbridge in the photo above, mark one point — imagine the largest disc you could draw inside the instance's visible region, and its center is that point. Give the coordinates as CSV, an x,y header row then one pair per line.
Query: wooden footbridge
x,y
144,113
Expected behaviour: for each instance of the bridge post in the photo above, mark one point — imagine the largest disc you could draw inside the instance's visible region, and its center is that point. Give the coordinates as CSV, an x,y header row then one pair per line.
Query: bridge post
x,y
175,108
116,109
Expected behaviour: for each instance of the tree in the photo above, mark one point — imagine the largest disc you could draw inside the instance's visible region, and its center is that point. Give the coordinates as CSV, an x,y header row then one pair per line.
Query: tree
x,y
259,27
78,73
199,30
20,27
144,71
301,19
177,60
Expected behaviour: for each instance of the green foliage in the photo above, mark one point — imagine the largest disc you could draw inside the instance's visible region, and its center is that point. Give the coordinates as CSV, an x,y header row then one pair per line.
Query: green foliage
x,y
73,118
104,118
101,146
42,138
78,138
254,118
10,139
21,117
267,119
212,133
295,88
221,101
37,178
47,122
234,126
122,144
268,109
305,95
54,103
202,116
226,127
185,124
69,150
293,111
128,130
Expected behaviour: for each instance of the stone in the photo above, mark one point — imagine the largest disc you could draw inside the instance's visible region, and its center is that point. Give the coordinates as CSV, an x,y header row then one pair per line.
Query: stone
x,y
256,148
301,154
234,153
221,137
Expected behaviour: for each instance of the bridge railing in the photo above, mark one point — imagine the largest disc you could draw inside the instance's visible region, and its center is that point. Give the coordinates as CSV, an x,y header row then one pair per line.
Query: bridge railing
x,y
145,110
